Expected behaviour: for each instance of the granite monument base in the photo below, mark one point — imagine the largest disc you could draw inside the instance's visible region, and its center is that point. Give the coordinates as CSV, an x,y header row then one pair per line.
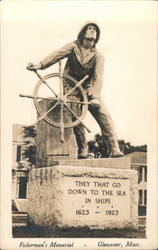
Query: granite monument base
x,y
74,196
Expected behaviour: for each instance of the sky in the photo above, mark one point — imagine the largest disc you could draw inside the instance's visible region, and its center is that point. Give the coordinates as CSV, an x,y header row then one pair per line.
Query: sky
x,y
31,30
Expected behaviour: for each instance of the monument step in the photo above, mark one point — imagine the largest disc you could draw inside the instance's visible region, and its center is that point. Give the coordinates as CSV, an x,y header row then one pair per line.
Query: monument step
x,y
19,219
115,163
21,204
141,222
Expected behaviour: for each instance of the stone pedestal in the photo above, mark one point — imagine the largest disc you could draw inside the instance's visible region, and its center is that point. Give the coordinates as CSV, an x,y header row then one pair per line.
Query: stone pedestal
x,y
73,196
48,145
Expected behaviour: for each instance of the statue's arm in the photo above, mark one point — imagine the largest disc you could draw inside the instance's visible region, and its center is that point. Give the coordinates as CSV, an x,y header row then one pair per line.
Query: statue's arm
x,y
57,55
98,77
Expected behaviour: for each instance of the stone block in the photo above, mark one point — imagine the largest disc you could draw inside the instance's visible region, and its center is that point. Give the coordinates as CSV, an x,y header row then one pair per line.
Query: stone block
x,y
71,196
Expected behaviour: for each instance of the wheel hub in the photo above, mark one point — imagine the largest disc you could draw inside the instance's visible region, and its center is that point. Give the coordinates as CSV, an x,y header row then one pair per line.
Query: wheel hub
x,y
61,100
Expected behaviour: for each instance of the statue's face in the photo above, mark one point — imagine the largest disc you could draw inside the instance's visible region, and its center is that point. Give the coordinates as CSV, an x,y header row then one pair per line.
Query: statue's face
x,y
91,32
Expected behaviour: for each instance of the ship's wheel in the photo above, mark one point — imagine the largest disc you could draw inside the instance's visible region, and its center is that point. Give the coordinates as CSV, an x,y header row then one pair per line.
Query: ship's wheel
x,y
52,89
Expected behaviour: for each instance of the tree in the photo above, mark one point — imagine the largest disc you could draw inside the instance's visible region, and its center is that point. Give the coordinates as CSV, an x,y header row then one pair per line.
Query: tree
x,y
29,132
124,146
127,148
101,149
29,151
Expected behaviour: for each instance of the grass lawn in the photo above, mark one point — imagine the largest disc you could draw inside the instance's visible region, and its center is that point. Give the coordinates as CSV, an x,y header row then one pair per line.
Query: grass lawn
x,y
41,232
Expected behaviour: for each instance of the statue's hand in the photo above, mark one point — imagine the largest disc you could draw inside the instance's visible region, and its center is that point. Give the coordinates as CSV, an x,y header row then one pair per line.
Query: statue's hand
x,y
33,67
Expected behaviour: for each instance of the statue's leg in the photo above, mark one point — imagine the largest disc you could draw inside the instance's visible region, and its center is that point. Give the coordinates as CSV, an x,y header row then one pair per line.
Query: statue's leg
x,y
101,115
79,130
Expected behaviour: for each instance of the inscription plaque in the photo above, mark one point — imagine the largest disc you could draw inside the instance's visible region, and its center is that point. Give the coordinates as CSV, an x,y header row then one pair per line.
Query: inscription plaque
x,y
93,199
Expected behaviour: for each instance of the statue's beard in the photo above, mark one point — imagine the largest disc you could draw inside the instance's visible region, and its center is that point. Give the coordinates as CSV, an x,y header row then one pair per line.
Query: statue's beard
x,y
90,39
88,42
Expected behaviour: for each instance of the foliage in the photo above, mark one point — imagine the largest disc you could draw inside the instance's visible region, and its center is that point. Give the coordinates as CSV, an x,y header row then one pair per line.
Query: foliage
x,y
127,148
99,148
29,132
29,151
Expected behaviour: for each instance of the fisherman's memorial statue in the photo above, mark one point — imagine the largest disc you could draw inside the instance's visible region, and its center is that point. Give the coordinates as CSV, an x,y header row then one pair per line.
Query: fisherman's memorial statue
x,y
67,189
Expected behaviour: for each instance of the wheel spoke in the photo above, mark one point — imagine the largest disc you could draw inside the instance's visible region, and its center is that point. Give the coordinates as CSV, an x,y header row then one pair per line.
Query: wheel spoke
x,y
42,79
60,79
77,85
61,87
62,124
72,112
38,97
45,114
50,88
69,101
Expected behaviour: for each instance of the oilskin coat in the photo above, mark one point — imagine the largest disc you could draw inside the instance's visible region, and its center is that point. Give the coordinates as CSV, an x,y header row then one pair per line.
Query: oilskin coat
x,y
78,64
